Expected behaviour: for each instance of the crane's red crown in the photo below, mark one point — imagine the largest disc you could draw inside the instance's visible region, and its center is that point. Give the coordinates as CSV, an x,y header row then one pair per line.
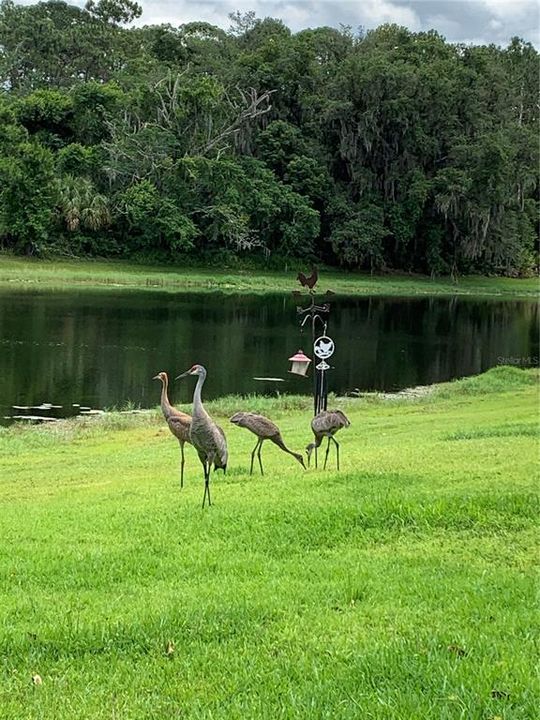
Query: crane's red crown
x,y
193,370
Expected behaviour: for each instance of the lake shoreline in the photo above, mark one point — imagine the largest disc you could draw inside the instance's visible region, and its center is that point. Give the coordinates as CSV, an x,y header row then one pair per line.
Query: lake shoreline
x,y
24,273
500,379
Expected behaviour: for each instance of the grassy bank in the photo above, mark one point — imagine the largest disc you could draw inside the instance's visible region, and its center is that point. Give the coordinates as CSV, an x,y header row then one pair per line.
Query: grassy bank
x,y
18,272
401,587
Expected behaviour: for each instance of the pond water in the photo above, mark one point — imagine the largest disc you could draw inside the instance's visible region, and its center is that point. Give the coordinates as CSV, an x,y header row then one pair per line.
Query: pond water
x,y
100,349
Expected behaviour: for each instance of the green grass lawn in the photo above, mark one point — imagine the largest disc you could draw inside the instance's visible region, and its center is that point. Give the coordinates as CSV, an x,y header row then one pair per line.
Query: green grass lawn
x,y
21,272
400,587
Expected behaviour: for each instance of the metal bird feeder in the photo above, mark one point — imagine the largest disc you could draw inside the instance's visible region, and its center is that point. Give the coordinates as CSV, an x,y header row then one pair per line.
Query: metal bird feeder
x,y
300,364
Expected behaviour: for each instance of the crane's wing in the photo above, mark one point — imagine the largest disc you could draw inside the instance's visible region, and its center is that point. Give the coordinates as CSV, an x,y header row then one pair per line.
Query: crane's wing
x,y
320,422
341,418
221,432
328,420
263,426
221,447
179,428
258,424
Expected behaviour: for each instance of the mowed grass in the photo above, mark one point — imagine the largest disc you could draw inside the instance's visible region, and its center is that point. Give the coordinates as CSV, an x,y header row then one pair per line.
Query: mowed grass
x,y
400,587
55,274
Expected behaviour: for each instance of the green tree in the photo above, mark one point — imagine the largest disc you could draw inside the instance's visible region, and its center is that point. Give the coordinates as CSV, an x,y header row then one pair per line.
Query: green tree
x,y
359,240
155,221
81,206
28,193
384,149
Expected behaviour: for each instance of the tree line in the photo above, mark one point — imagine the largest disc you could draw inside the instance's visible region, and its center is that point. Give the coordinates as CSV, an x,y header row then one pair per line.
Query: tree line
x,y
378,150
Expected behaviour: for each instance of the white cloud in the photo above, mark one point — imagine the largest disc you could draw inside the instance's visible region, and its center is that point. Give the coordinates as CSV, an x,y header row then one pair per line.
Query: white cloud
x,y
511,8
458,20
448,27
496,24
377,12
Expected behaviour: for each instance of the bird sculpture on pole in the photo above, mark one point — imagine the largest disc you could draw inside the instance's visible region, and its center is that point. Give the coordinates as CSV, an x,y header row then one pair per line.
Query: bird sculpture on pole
x,y
326,424
264,429
205,435
179,422
308,281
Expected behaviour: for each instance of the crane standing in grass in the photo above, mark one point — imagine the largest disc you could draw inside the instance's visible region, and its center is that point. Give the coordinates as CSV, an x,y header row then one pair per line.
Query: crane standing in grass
x,y
264,429
326,424
179,422
205,435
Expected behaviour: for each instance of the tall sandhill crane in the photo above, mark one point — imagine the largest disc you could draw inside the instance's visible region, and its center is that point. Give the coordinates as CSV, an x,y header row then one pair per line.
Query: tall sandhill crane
x,y
326,424
179,422
264,429
205,435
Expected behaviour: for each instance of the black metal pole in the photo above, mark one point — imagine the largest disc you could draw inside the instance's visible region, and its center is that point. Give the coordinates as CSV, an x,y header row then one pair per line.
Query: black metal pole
x,y
319,379
315,378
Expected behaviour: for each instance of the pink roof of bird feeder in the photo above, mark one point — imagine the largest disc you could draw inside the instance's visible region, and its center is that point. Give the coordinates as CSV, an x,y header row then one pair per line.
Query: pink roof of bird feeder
x,y
300,357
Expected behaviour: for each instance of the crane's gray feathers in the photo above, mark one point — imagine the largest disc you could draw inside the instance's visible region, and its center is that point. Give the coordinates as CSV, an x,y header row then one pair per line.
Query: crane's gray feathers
x,y
206,436
220,462
329,422
179,422
180,426
258,424
264,429
326,424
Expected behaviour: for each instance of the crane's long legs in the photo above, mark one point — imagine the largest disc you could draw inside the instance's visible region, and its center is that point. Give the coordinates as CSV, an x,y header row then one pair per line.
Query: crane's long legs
x,y
333,439
182,465
337,450
326,455
259,456
253,456
256,449
206,466
316,457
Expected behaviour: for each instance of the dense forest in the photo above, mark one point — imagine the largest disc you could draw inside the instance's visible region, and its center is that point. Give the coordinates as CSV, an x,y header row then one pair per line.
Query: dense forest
x,y
383,150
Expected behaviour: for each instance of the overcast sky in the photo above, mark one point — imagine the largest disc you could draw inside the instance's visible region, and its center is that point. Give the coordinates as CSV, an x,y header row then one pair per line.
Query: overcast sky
x,y
469,21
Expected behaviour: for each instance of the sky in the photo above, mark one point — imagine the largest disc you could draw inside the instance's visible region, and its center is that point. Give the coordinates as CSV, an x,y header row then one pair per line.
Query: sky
x,y
467,21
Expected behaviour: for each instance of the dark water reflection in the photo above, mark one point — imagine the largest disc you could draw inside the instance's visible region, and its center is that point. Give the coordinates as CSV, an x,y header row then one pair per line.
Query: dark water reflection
x,y
101,349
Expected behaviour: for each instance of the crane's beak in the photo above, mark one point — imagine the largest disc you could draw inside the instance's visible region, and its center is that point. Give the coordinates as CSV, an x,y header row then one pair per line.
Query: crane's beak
x,y
156,377
182,375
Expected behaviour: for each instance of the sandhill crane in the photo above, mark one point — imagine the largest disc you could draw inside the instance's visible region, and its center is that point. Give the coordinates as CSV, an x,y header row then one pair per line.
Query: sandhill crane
x,y
264,429
205,435
179,422
326,424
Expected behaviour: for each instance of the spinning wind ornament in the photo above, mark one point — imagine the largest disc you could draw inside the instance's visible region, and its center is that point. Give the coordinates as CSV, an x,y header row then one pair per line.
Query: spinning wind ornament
x,y
323,346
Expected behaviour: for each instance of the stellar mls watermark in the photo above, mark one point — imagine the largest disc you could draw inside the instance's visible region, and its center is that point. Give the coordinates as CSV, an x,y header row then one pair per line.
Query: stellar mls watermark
x,y
522,360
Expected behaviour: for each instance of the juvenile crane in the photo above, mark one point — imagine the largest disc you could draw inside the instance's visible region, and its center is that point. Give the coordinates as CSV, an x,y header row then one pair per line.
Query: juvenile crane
x,y
326,424
264,429
179,422
205,435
